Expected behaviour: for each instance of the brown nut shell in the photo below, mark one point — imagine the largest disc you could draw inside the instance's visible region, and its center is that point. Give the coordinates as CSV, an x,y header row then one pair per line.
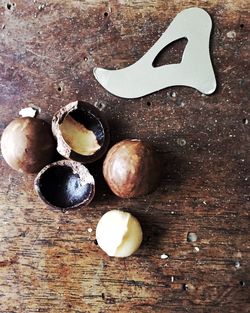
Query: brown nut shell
x,y
81,131
131,168
27,144
65,185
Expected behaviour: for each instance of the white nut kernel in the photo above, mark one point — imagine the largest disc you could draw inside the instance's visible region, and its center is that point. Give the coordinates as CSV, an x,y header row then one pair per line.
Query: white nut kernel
x,y
118,233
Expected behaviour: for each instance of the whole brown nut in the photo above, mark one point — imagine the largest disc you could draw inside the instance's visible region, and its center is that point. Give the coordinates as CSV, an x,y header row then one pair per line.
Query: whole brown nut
x,y
27,144
131,168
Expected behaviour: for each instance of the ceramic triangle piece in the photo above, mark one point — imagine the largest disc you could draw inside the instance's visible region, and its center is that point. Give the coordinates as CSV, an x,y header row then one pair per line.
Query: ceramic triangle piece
x,y
195,69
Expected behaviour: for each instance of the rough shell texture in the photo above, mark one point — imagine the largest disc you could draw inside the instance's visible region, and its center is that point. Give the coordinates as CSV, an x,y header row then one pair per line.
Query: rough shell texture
x,y
27,144
65,185
97,123
131,168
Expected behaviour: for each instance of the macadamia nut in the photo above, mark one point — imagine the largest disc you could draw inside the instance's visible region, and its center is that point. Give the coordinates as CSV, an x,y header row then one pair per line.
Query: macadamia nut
x,y
131,168
27,144
119,233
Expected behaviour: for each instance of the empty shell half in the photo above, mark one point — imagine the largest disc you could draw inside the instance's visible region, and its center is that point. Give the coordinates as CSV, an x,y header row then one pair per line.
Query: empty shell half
x,y
65,185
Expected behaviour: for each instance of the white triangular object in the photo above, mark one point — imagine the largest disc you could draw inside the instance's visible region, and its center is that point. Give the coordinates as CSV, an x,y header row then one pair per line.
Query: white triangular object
x,y
195,69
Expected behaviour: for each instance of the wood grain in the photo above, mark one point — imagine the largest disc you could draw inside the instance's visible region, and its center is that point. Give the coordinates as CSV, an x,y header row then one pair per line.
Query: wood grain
x,y
48,260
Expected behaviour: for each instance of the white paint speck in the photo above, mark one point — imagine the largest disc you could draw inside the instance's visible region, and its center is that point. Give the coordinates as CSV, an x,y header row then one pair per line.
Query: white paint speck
x,y
192,237
164,256
231,34
172,279
28,112
197,249
41,7
90,230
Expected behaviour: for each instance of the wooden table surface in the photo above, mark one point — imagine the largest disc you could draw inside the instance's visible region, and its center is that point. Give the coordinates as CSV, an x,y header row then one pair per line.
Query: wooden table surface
x,y
49,261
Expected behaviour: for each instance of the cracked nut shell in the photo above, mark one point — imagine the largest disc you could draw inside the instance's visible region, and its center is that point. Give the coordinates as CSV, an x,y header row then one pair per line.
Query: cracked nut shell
x,y
81,131
27,144
131,168
65,185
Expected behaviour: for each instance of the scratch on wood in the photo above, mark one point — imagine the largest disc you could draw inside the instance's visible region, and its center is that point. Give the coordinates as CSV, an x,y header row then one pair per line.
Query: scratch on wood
x,y
8,262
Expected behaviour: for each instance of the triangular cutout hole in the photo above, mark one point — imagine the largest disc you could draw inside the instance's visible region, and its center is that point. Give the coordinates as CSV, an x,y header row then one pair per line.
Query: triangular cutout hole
x,y
171,54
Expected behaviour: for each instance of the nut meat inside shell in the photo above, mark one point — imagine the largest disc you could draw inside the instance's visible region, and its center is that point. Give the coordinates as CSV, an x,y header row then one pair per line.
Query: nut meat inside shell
x,y
81,131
